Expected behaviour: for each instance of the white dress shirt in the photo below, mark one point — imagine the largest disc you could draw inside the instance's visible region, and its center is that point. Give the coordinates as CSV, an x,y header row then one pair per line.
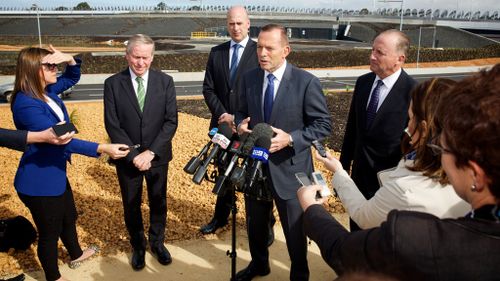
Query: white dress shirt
x,y
243,44
384,90
144,77
400,189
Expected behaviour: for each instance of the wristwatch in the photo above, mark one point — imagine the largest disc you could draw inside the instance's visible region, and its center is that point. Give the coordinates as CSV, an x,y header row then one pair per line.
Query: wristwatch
x,y
152,153
290,141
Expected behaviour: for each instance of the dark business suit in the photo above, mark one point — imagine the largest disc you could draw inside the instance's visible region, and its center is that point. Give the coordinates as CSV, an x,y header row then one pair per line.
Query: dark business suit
x,y
221,98
153,129
299,109
378,147
411,245
13,139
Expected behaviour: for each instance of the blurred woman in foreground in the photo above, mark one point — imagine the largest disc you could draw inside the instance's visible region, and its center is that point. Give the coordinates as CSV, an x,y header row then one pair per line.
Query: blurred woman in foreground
x,y
418,246
41,181
418,182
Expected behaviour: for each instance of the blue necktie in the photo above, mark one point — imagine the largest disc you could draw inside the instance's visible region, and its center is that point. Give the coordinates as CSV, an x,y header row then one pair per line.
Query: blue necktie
x,y
371,110
234,63
269,98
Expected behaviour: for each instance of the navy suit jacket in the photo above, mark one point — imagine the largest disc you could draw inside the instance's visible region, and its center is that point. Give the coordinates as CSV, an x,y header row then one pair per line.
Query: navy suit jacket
x,y
13,139
154,128
299,109
220,95
379,147
42,169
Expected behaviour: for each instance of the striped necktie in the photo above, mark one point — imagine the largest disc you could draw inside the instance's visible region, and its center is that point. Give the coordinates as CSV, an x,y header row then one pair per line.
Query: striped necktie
x,y
371,110
141,92
234,63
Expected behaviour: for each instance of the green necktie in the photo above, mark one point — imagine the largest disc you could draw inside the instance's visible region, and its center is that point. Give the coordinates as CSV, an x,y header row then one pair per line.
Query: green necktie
x,y
141,92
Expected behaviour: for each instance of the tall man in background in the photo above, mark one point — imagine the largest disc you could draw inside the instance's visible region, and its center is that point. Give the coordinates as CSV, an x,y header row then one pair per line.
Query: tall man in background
x,y
226,64
378,114
140,109
292,102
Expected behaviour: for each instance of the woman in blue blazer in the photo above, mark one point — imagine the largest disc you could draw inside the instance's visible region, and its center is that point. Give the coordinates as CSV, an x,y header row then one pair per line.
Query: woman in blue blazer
x,y
41,181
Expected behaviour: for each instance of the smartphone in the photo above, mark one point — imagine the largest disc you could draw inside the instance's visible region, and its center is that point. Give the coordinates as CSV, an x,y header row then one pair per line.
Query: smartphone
x,y
319,180
130,147
303,179
320,148
62,129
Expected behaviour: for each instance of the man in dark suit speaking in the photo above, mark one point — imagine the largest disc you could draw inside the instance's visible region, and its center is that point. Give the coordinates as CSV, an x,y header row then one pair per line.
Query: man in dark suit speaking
x,y
226,64
292,102
140,109
378,114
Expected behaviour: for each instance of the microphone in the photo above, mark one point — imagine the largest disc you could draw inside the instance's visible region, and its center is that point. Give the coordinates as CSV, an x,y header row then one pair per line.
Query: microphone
x,y
235,149
195,161
220,140
260,154
239,174
259,130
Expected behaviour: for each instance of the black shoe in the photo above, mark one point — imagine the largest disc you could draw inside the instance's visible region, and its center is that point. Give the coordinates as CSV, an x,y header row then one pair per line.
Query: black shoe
x,y
162,254
270,239
250,272
138,262
19,277
212,226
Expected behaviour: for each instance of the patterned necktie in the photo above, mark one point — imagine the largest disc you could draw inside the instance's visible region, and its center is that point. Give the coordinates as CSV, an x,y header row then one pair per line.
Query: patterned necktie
x,y
141,92
234,63
269,98
371,110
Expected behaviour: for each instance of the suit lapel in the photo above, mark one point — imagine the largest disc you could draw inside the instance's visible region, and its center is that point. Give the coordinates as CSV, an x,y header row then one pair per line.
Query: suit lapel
x,y
129,92
365,94
392,100
256,88
225,62
283,93
247,54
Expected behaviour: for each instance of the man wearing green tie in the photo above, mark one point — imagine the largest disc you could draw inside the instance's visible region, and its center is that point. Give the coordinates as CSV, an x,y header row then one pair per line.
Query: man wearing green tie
x,y
140,110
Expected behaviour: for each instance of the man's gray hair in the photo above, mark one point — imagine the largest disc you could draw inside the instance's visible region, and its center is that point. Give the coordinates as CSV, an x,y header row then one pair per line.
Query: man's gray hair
x,y
139,39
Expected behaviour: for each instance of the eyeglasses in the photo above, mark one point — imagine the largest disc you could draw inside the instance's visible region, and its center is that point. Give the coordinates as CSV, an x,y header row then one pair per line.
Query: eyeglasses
x,y
50,66
437,149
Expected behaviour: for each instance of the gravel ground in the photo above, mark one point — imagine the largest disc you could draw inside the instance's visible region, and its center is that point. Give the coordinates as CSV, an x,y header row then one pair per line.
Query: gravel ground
x,y
97,194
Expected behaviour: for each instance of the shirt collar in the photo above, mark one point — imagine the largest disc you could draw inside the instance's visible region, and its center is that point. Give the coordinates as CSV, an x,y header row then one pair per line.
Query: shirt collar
x,y
278,73
390,80
243,42
145,76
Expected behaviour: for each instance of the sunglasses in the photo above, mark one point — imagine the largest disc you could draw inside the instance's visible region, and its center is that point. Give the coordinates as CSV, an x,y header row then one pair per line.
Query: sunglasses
x,y
50,66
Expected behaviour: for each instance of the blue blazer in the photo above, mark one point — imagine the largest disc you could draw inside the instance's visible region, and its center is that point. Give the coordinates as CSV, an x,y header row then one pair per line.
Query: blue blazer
x,y
42,169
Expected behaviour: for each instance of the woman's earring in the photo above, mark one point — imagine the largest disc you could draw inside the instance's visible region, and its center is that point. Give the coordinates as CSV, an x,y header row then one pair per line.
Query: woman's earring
x,y
473,188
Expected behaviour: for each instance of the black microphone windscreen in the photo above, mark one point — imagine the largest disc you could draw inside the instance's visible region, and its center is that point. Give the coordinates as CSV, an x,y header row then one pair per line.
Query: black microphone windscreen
x,y
259,130
263,142
225,130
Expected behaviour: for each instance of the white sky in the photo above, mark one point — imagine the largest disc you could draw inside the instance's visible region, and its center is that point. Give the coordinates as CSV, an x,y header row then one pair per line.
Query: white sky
x,y
482,5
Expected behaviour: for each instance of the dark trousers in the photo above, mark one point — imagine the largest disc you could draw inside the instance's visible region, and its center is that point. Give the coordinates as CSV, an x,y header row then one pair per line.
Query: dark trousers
x,y
131,181
55,217
258,221
223,204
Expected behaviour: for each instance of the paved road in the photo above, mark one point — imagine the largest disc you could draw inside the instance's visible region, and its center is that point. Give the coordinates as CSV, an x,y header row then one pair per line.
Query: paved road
x,y
194,88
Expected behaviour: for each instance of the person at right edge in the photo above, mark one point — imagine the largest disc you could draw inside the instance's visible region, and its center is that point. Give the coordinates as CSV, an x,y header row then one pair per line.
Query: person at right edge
x,y
222,77
292,102
378,114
